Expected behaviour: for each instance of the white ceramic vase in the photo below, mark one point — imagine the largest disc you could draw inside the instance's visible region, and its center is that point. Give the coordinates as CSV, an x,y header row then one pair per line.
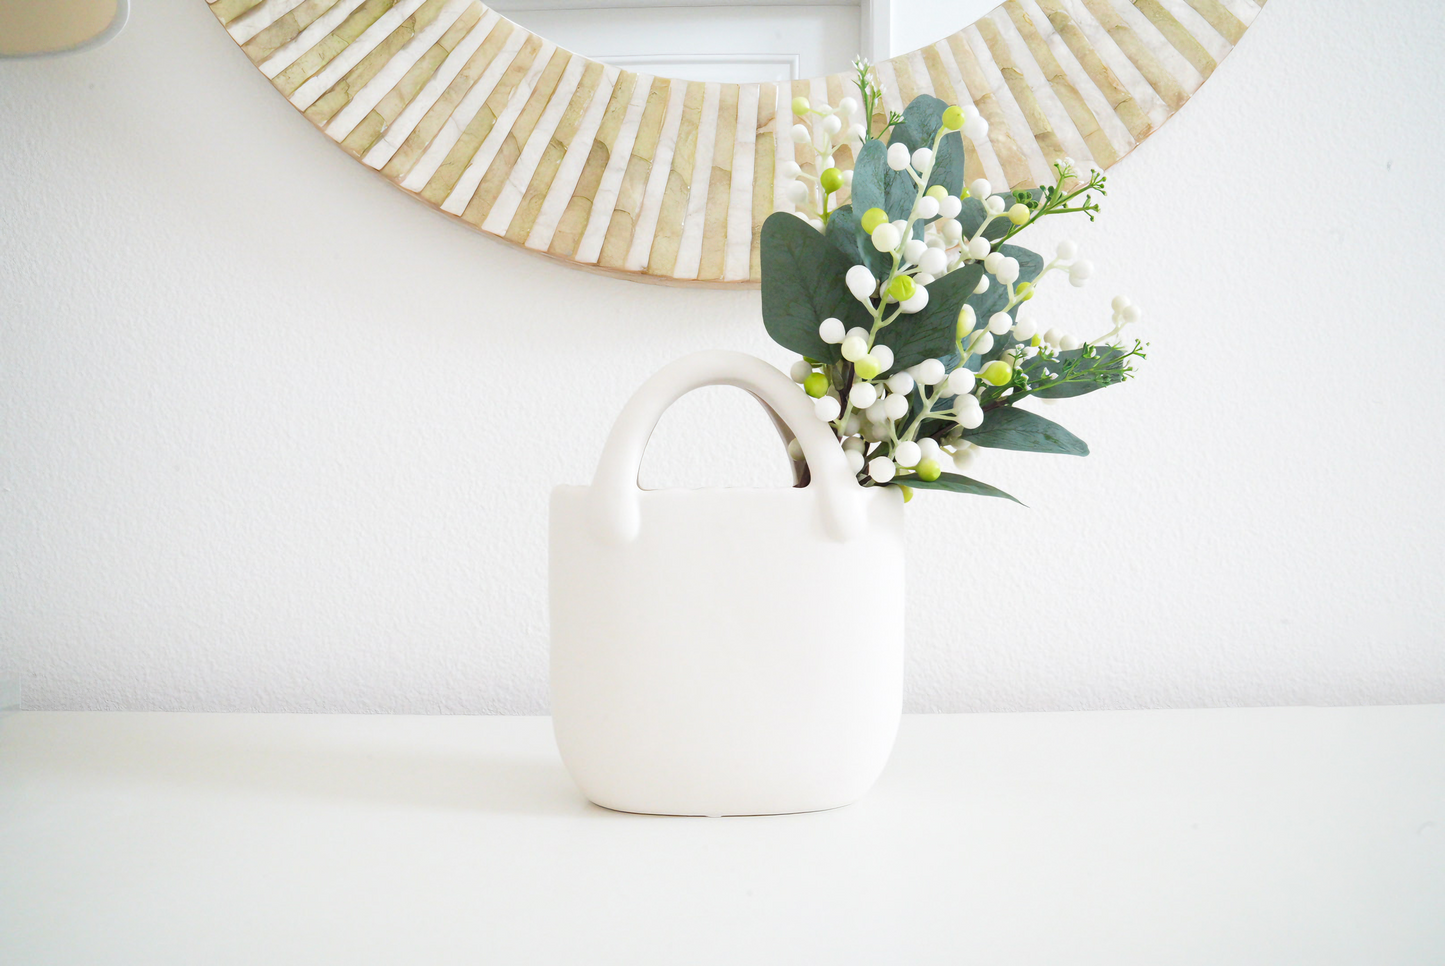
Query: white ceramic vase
x,y
725,651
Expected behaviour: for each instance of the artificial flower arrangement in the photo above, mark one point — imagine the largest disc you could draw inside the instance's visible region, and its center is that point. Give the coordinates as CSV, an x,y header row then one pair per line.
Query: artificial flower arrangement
x,y
899,287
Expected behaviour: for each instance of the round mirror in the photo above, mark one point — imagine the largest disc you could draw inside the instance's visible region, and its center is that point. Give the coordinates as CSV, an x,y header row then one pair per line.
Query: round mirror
x,y
651,138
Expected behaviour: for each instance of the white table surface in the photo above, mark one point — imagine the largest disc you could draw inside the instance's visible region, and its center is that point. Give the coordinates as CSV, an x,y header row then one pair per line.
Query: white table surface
x,y
1214,837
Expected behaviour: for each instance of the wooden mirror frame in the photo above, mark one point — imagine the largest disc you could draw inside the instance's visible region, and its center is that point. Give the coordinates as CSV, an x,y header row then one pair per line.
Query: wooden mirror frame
x,y
670,180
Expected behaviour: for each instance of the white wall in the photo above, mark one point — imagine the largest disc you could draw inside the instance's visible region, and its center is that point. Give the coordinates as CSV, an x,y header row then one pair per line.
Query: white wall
x,y
274,436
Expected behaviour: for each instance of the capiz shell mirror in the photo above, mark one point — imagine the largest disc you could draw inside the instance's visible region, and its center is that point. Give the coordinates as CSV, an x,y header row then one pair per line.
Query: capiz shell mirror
x,y
663,178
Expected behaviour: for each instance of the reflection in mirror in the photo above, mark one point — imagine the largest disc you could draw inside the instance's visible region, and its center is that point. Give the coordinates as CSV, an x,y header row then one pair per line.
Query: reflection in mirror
x,y
762,41
35,28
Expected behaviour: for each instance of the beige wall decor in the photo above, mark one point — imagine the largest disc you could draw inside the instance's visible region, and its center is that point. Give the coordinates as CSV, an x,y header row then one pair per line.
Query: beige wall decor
x,y
670,180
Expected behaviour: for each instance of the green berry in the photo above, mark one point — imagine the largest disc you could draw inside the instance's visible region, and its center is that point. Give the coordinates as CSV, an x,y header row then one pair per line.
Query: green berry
x,y
997,373
928,470
902,288
1018,214
907,492
801,105
953,118
938,192
1024,291
816,385
872,218
867,367
832,179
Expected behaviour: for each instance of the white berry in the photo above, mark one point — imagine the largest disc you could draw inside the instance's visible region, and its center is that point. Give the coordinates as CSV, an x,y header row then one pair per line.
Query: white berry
x,y
863,395
907,453
881,468
831,330
827,408
800,371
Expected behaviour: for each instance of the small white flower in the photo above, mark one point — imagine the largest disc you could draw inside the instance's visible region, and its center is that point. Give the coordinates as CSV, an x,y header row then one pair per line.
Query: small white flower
x,y
900,383
930,372
831,331
933,262
961,381
898,156
800,371
1008,271
967,319
881,468
886,237
827,408
860,282
917,303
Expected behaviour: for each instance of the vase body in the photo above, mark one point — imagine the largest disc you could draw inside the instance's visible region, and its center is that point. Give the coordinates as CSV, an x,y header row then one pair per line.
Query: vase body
x,y
725,651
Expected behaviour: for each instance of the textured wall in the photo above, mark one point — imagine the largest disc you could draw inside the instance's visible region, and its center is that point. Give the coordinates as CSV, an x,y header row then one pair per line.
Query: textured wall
x,y
273,436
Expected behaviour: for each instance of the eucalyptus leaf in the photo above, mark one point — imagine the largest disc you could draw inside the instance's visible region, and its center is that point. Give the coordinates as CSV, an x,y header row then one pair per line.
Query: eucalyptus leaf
x,y
803,285
1019,429
933,332
955,483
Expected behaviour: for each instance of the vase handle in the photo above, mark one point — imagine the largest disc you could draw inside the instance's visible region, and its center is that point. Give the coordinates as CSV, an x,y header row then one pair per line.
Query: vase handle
x,y
615,488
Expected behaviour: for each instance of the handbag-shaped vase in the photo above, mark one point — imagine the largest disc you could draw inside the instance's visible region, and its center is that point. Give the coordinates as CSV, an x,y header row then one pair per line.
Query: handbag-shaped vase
x,y
726,651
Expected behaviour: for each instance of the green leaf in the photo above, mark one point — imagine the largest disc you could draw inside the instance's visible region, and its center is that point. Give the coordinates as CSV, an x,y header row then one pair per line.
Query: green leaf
x,y
1104,371
933,332
803,285
842,232
869,171
1019,429
955,483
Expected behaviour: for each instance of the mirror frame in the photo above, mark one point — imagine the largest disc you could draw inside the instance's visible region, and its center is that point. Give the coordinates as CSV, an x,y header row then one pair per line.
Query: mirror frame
x,y
669,181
